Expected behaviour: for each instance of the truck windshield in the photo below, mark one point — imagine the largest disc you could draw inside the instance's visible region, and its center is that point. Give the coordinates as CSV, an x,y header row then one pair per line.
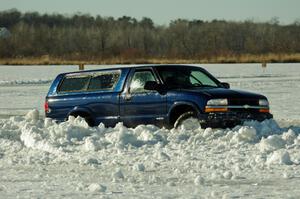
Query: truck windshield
x,y
185,77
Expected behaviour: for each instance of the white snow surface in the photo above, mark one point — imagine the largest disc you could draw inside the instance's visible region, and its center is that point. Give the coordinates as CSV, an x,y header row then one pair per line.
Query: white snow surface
x,y
39,157
42,159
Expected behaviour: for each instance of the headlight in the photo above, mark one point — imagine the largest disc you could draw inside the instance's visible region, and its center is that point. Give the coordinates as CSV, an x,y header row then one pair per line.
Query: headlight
x,y
263,102
217,102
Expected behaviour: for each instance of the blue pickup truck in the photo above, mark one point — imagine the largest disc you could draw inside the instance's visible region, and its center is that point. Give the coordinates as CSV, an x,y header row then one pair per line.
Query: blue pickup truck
x,y
163,95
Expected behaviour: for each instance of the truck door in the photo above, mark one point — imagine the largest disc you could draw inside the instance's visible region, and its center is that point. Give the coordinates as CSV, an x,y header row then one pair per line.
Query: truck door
x,y
140,106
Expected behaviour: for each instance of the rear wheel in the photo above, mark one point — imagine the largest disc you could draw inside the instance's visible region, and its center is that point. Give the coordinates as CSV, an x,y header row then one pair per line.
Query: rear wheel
x,y
187,120
86,117
89,121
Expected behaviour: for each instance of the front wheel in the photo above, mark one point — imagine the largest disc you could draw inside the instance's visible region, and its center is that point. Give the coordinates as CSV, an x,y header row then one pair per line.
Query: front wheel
x,y
187,121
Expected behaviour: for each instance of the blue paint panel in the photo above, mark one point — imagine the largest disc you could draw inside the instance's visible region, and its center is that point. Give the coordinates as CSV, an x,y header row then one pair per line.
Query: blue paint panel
x,y
143,108
103,107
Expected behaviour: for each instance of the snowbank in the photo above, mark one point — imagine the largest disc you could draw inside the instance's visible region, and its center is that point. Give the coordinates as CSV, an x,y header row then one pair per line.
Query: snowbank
x,y
190,156
75,138
25,82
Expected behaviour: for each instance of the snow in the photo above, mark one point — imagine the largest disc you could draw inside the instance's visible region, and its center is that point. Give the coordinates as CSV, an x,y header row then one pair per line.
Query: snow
x,y
128,162
272,143
25,82
279,157
139,167
40,158
96,188
199,180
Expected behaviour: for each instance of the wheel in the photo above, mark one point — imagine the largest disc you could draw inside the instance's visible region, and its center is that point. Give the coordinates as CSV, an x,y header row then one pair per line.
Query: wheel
x,y
187,121
87,119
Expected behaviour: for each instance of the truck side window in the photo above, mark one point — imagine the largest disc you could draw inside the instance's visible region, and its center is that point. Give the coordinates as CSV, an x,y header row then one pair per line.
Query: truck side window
x,y
104,81
139,80
74,83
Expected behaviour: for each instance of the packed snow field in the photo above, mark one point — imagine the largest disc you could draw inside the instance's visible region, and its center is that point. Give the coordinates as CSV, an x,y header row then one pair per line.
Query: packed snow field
x,y
39,158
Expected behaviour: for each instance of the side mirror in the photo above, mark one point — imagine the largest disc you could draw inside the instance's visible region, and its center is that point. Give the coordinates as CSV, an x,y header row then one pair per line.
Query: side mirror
x,y
151,85
225,84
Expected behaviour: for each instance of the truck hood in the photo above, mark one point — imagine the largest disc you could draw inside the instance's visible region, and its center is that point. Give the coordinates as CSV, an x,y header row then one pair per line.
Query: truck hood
x,y
225,93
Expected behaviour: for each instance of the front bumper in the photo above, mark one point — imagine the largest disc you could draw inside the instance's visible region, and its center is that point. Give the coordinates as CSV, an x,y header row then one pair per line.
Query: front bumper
x,y
230,119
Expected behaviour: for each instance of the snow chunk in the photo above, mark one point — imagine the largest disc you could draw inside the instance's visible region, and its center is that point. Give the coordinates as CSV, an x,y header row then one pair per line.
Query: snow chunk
x,y
123,136
139,167
97,188
264,128
286,175
227,175
162,156
90,161
118,175
207,132
32,115
199,180
216,176
149,134
289,136
171,184
189,124
271,143
74,128
279,157
91,145
48,122
245,134
32,137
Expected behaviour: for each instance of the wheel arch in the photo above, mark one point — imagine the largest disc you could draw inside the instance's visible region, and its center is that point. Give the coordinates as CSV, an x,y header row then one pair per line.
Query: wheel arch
x,y
179,108
83,112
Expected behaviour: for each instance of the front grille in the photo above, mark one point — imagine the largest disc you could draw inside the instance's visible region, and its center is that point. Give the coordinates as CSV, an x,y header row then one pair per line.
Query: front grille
x,y
242,102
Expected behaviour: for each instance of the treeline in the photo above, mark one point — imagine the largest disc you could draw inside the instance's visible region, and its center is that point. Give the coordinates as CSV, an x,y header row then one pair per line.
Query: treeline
x,y
84,37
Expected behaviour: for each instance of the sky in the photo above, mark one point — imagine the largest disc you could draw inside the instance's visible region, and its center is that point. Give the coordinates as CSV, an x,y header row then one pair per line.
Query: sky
x,y
163,11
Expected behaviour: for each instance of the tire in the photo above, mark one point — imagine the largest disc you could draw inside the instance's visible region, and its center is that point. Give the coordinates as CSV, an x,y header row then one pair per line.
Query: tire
x,y
87,119
184,117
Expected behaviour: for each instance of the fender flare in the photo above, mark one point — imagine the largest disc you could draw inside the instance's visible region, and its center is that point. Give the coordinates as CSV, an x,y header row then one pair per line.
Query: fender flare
x,y
179,103
81,110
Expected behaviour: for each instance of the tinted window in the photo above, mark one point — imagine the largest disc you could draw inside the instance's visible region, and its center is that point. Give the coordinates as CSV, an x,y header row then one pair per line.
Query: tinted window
x,y
139,80
104,81
185,77
74,83
199,77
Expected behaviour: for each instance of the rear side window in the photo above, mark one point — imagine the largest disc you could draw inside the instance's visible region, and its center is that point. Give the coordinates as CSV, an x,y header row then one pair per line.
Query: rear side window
x,y
96,81
104,81
74,83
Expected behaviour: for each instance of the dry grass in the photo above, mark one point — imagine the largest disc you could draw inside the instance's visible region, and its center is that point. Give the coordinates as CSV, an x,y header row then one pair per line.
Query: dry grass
x,y
246,58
